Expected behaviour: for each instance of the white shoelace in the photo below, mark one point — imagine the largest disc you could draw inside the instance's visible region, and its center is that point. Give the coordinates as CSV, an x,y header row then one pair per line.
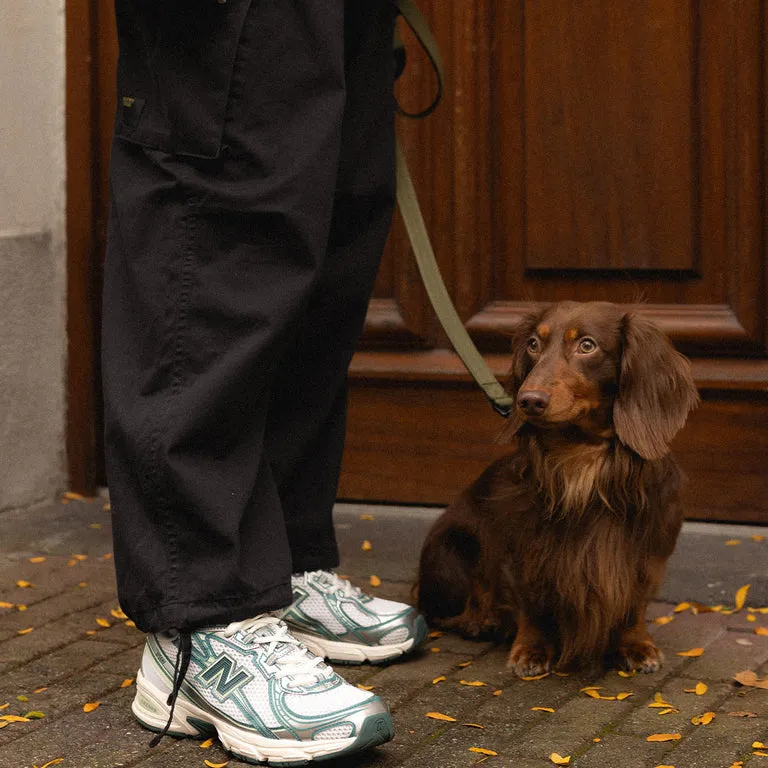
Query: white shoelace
x,y
336,583
295,662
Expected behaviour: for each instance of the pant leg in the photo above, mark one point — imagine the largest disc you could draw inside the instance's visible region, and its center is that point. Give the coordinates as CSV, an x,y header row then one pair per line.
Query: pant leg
x,y
211,264
307,421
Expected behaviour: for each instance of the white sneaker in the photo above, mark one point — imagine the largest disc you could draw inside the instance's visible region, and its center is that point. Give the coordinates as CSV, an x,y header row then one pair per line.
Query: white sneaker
x,y
254,685
346,626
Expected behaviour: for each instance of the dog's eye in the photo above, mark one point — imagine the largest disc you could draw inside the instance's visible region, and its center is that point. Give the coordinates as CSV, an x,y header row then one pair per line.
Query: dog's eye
x,y
533,345
587,345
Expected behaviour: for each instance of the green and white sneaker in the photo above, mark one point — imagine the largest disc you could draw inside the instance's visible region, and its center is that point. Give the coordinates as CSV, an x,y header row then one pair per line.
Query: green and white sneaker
x,y
346,626
265,695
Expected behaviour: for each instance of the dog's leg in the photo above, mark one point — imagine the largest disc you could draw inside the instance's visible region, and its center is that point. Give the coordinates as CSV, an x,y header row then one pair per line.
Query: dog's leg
x,y
532,653
636,649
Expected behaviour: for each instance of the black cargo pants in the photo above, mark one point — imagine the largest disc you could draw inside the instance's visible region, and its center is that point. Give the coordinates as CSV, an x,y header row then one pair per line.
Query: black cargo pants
x,y
252,185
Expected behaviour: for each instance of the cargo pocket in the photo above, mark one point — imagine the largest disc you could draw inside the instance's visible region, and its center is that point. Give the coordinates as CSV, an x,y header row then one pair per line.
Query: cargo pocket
x,y
175,72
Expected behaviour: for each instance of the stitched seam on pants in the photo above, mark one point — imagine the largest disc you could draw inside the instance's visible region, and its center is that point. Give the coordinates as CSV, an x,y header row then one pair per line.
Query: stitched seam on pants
x,y
178,332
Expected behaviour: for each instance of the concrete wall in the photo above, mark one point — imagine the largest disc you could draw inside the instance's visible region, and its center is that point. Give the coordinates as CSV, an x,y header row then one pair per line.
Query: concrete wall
x,y
32,251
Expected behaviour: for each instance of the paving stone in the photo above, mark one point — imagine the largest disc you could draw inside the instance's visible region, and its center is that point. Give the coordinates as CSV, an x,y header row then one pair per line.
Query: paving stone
x,y
108,737
726,656
621,751
645,720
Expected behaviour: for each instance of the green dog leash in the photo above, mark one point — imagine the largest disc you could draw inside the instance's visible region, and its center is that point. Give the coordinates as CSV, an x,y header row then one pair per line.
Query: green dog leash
x,y
410,211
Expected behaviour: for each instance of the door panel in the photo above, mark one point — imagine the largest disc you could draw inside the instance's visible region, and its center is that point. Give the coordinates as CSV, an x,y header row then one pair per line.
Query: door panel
x,y
584,150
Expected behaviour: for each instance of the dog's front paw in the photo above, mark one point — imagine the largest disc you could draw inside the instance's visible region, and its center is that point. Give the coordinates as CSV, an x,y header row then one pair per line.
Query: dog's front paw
x,y
640,655
530,660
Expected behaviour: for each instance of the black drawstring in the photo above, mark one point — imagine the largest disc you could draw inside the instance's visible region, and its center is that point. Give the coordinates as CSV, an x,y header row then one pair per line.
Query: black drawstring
x,y
183,658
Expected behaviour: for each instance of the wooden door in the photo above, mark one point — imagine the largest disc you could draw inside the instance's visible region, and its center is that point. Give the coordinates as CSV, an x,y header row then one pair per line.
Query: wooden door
x,y
586,149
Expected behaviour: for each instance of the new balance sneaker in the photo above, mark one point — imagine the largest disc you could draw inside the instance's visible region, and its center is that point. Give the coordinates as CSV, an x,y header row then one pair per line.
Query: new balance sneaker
x,y
266,696
339,622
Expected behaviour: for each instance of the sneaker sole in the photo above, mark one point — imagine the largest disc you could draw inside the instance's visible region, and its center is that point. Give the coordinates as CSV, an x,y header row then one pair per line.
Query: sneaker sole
x,y
339,652
189,721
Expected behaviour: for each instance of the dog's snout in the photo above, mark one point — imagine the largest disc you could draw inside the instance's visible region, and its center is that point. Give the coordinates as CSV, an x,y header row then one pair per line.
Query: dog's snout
x,y
533,402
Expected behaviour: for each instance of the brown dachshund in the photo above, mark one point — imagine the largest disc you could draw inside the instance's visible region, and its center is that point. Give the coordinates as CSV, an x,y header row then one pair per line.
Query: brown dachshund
x,y
563,543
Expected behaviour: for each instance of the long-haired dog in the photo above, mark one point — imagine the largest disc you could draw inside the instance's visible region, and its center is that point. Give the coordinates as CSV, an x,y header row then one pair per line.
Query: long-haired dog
x,y
563,543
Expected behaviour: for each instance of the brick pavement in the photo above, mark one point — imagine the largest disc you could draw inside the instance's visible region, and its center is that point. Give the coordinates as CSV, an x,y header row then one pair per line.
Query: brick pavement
x,y
70,659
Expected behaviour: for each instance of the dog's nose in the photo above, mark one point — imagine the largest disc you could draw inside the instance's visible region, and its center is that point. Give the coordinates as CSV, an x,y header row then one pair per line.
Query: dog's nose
x,y
533,402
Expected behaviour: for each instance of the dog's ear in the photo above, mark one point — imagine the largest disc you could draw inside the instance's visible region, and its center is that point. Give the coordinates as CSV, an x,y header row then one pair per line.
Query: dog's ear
x,y
520,368
656,389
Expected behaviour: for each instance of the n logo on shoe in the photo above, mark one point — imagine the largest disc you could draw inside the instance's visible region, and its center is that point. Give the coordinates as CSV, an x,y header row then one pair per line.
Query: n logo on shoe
x,y
219,676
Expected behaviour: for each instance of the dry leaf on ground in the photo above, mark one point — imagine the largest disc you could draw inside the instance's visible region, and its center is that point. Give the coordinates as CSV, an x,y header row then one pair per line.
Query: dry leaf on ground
x,y
474,725
438,680
704,719
747,677
91,705
374,581
558,759
473,683
441,716
664,737
741,596
481,751
742,714
542,709
692,653
216,765
659,703
699,690
367,546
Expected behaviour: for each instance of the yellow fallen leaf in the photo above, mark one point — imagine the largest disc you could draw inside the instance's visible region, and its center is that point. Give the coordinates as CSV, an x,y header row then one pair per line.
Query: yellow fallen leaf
x,y
464,664
682,607
56,761
498,692
741,596
25,631
667,711
562,674
762,754
3,604
34,715
6,705
14,719
438,680
103,623
36,559
732,542
659,703
21,607
207,744
441,716
761,631
433,649
704,719
597,739
83,584
364,687
542,709
216,765
662,620
757,537
95,526
698,608
108,556
72,496
107,507
536,677
367,546
117,613
665,766
72,563
40,690
699,690
80,558
693,653
622,673
434,633
472,683
664,737
91,705
481,751
367,517
24,584
374,581
742,714
130,623
474,725
22,698
759,745
751,617
127,682
559,759
624,695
